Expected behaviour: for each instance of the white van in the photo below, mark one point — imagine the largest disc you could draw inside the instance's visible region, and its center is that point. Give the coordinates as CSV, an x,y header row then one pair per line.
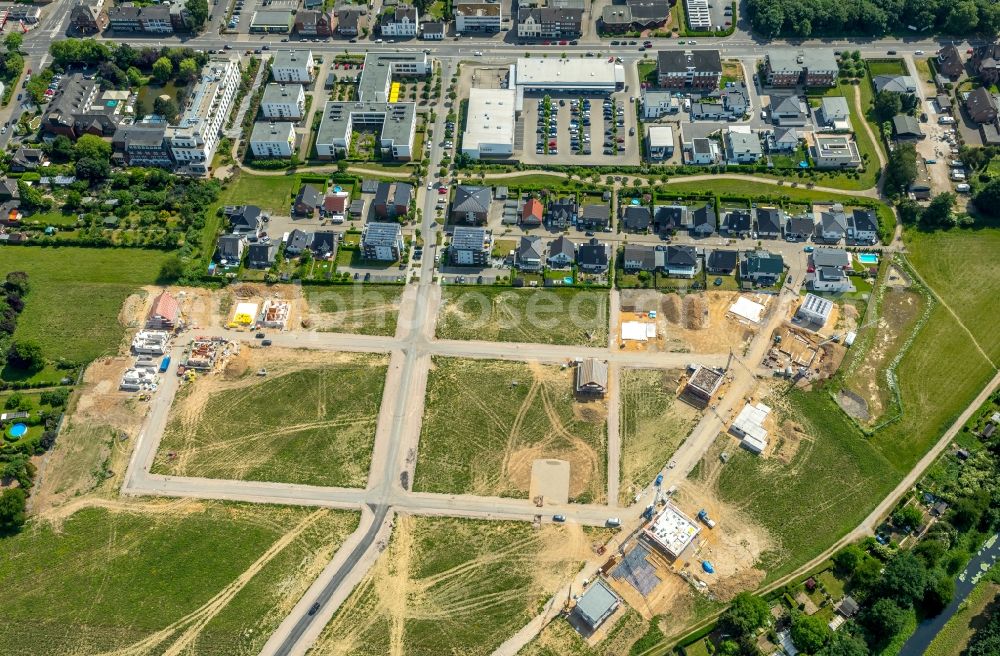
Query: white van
x,y
946,120
962,188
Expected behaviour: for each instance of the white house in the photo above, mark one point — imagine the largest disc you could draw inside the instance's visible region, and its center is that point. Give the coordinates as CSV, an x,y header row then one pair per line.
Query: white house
x,y
270,139
283,102
293,66
401,20
658,103
742,146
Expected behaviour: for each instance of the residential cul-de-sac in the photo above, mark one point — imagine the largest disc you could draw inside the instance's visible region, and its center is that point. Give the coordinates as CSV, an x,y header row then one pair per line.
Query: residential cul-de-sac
x,y
628,328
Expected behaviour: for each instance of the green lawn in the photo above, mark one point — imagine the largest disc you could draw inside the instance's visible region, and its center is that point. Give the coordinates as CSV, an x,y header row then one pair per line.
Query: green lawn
x,y
272,193
357,309
76,294
724,186
135,581
313,426
943,260
541,316
887,67
53,218
453,586
518,413
653,425
829,486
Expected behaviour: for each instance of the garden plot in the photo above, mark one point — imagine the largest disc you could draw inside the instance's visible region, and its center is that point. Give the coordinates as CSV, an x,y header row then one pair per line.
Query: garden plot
x,y
356,309
455,586
141,577
542,316
486,422
653,425
692,323
311,419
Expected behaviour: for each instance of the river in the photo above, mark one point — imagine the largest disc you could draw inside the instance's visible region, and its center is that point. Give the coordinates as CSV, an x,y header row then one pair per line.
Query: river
x,y
928,629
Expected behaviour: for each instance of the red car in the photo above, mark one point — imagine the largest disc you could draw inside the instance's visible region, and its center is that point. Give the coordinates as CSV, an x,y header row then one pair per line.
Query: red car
x,y
442,190
563,43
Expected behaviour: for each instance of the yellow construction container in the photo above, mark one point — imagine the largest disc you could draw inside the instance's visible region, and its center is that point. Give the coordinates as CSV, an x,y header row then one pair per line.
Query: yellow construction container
x,y
394,92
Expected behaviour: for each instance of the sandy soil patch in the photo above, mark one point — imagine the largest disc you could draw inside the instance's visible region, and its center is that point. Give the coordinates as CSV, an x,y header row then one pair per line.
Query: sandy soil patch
x,y
695,323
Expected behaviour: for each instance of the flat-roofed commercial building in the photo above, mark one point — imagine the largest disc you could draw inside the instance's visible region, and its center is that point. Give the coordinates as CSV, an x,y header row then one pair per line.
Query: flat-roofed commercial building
x,y
490,123
272,21
586,76
478,16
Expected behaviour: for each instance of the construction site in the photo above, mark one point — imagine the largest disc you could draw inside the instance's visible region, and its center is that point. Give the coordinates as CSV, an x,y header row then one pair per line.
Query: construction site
x,y
703,322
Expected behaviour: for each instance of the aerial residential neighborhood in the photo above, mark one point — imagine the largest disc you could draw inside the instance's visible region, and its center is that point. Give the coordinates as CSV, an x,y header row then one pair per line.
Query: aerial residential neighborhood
x,y
486,328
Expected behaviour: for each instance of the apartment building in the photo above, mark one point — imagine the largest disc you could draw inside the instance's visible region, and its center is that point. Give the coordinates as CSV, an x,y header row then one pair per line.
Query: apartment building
x,y
141,145
154,19
283,102
401,21
812,68
194,139
293,66
478,16
689,68
270,139
549,22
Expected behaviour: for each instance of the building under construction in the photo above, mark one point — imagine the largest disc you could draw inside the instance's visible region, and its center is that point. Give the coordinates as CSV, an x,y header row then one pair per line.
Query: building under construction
x,y
702,385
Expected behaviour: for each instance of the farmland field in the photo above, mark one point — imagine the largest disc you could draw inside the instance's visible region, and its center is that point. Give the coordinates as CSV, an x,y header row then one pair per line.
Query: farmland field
x,y
454,586
314,424
357,309
76,295
485,422
146,576
542,316
653,425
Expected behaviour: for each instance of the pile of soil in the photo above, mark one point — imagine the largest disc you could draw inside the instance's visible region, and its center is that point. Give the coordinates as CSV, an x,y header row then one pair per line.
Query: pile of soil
x,y
695,312
671,307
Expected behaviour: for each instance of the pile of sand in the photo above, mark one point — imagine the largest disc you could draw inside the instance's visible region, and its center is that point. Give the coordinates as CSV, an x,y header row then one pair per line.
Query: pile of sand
x,y
695,312
671,308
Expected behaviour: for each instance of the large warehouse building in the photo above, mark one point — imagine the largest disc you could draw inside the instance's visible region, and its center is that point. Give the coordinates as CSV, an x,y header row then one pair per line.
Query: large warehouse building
x,y
577,75
490,123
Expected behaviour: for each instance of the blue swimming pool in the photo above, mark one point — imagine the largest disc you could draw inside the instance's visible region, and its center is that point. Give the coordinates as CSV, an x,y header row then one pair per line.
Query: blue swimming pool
x,y
17,430
868,258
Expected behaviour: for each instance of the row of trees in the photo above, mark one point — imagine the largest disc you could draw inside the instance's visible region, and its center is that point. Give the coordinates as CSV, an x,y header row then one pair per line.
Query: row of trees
x,y
814,18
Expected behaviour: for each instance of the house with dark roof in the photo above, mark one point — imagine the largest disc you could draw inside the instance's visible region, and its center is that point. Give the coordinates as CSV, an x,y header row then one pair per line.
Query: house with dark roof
x,y
949,63
667,218
261,255
981,105
307,201
592,257
901,84
636,218
549,22
634,15
789,110
562,212
78,108
833,224
392,199
986,63
8,189
470,246
737,222
433,30
351,19
244,219
906,128
313,22
26,159
532,213
594,217
324,243
800,228
689,68
761,268
680,261
638,257
298,241
229,249
862,227
529,255
769,222
722,261
703,220
471,204
562,252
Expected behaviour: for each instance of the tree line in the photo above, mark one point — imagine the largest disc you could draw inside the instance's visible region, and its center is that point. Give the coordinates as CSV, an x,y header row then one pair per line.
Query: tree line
x,y
814,18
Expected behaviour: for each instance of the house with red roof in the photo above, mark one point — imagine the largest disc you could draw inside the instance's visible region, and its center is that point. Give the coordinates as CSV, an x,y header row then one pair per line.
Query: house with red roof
x,y
164,313
336,204
531,214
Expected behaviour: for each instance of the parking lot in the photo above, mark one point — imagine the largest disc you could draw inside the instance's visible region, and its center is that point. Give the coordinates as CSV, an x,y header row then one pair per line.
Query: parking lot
x,y
586,130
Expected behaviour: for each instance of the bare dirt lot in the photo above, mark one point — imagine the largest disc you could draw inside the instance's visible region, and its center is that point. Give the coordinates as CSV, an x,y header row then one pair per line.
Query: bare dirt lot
x,y
518,413
690,323
310,420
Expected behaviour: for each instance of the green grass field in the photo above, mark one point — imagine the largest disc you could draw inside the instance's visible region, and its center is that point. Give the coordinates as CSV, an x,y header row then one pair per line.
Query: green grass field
x,y
453,586
540,316
725,186
962,267
512,426
273,193
76,295
653,425
826,490
887,67
356,309
313,426
136,581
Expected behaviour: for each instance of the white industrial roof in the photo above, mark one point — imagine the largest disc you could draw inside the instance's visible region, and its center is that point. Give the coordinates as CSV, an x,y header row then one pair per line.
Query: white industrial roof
x,y
661,136
490,119
672,530
639,331
538,72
